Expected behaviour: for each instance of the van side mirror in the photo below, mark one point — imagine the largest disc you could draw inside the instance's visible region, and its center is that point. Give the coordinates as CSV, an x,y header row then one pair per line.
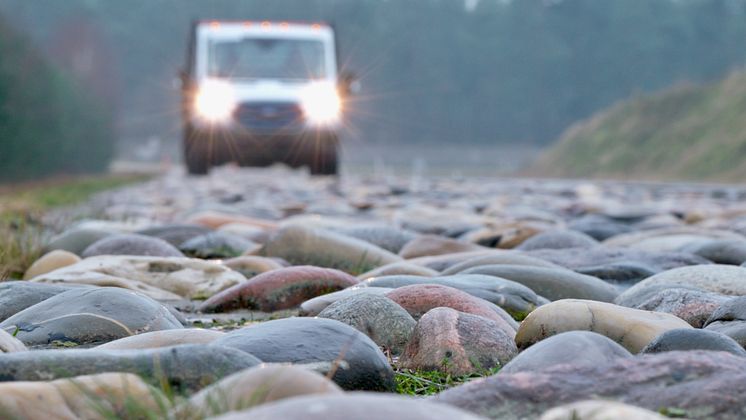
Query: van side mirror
x,y
349,84
181,81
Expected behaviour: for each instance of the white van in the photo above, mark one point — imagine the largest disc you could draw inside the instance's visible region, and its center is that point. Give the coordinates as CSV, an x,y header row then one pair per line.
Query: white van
x,y
256,93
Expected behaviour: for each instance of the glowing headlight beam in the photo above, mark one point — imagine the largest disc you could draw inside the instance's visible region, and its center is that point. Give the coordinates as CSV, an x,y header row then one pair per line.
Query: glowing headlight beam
x,y
321,104
215,102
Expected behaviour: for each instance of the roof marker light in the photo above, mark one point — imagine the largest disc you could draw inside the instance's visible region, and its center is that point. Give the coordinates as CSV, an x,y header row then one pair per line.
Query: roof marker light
x,y
266,24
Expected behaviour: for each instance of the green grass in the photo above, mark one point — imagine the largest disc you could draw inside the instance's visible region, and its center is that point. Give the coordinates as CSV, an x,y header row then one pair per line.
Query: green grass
x,y
22,206
423,383
687,132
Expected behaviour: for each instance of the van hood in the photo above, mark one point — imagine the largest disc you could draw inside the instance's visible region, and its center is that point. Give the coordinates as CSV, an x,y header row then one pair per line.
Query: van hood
x,y
268,90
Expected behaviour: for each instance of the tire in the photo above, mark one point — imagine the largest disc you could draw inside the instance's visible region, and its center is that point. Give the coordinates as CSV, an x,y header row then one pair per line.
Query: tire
x,y
324,159
196,158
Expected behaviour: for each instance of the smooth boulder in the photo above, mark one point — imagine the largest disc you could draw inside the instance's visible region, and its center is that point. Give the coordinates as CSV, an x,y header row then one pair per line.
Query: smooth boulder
x,y
16,296
355,360
553,284
700,384
632,328
186,368
159,278
88,316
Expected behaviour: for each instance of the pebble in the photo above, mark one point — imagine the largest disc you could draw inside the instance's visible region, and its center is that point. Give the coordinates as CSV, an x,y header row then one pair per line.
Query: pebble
x,y
252,265
600,410
359,406
457,343
76,240
632,328
131,244
313,307
557,239
551,283
693,339
515,298
279,289
164,338
693,305
300,245
730,319
418,299
50,262
572,347
252,387
378,317
175,234
429,245
217,245
10,344
723,279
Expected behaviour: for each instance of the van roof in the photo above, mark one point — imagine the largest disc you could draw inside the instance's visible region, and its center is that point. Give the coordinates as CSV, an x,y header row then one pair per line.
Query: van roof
x,y
261,22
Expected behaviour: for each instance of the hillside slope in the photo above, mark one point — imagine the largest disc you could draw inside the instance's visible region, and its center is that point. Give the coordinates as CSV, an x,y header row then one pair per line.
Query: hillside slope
x,y
687,132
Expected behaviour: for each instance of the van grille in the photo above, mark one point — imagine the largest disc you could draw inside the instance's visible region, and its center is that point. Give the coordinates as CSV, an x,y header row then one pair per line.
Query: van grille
x,y
269,116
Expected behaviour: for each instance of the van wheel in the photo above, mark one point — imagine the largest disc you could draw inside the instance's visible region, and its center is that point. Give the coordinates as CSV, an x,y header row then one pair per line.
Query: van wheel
x,y
195,157
324,161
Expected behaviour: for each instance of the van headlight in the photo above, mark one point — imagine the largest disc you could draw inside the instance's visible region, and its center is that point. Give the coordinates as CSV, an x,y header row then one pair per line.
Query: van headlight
x,y
215,102
321,104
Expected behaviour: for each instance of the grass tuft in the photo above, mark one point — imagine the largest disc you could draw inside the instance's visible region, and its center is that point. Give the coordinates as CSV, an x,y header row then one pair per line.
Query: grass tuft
x,y
423,383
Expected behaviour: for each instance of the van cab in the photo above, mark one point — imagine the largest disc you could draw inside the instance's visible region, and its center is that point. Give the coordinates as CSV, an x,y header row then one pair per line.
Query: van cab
x,y
256,93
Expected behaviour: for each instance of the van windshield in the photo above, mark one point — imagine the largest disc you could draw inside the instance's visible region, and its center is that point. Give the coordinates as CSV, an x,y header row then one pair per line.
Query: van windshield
x,y
267,58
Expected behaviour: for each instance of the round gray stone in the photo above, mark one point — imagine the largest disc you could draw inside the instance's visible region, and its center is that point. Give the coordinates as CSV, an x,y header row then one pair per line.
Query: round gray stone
x,y
216,245
360,364
575,347
693,339
378,317
132,244
557,239
186,368
551,283
175,234
89,315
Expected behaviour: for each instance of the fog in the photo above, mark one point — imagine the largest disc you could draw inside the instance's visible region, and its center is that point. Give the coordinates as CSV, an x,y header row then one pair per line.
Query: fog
x,y
438,77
